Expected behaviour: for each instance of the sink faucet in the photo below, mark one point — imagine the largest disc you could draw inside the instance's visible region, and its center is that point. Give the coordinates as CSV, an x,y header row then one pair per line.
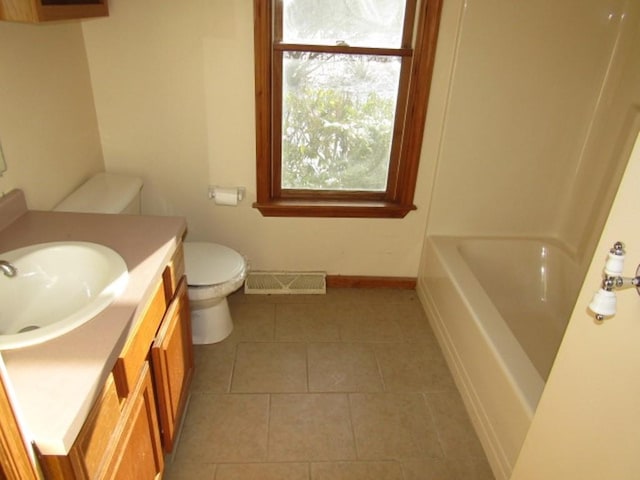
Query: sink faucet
x,y
8,269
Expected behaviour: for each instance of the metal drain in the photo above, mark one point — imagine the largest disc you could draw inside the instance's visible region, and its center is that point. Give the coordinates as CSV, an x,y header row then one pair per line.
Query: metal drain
x,y
265,283
28,328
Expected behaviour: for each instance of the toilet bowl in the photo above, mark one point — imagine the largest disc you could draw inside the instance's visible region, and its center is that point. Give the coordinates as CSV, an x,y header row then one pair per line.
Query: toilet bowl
x,y
213,271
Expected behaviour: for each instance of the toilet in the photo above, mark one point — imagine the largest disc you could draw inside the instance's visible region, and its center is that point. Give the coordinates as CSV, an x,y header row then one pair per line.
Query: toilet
x,y
105,193
213,271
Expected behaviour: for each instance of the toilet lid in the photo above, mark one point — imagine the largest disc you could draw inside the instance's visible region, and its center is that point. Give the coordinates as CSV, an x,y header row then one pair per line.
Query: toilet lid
x,y
211,264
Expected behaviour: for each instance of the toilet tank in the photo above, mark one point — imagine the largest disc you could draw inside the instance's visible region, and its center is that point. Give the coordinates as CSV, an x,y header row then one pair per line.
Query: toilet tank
x,y
105,193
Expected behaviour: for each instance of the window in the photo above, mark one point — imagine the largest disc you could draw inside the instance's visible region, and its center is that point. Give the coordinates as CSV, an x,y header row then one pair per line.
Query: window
x,y
341,101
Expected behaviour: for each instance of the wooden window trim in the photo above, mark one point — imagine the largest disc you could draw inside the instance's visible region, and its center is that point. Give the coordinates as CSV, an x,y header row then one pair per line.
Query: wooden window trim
x,y
398,201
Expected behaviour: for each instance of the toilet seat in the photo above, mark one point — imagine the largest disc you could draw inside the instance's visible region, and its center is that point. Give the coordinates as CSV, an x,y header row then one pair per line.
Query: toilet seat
x,y
212,270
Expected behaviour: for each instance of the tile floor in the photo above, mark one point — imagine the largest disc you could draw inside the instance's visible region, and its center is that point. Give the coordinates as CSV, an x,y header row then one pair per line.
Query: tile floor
x,y
348,385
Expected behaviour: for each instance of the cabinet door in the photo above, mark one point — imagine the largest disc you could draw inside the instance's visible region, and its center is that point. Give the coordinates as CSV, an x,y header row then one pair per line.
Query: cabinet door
x,y
138,454
90,454
14,457
136,349
172,360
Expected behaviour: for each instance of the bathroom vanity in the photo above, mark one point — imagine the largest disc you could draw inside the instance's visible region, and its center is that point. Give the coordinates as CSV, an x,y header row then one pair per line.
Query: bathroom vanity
x,y
106,399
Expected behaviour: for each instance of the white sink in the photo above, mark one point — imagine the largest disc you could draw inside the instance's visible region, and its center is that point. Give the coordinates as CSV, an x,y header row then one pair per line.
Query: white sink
x,y
58,287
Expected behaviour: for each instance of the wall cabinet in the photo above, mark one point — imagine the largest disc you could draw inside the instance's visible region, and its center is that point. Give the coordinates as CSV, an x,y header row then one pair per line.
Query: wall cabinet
x,y
135,419
51,10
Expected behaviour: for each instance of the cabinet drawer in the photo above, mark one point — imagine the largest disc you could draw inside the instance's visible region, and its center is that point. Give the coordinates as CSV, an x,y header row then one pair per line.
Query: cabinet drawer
x,y
136,349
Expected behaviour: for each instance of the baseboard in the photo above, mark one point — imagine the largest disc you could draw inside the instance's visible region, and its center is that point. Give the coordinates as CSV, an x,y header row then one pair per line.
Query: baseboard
x,y
350,281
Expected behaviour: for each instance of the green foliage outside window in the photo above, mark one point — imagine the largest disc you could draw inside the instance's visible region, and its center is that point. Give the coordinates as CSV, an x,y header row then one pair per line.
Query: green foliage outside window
x,y
336,141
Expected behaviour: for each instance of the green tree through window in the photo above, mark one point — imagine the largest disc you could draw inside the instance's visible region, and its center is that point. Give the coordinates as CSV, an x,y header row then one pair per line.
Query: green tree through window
x,y
336,133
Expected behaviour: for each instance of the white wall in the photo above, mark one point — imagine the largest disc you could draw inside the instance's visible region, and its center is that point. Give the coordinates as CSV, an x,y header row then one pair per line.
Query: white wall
x,y
48,125
588,195
174,94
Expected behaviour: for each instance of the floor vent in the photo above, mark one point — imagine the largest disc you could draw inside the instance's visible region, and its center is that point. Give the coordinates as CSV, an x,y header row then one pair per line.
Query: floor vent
x,y
290,283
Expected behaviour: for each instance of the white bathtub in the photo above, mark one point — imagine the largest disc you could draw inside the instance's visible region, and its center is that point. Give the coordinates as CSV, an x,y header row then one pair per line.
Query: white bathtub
x,y
499,308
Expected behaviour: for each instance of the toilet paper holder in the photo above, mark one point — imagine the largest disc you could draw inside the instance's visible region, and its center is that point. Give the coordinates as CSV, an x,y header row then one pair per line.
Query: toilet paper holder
x,y
604,300
226,195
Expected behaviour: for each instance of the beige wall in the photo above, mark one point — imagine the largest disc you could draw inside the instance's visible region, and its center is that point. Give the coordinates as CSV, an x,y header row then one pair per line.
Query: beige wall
x,y
524,88
586,424
612,134
48,125
173,85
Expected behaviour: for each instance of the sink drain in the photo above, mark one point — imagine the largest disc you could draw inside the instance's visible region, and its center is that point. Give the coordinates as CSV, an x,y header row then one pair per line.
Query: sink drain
x,y
28,328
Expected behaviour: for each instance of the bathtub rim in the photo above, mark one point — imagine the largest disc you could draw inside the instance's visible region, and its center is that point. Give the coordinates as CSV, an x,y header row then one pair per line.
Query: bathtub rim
x,y
505,345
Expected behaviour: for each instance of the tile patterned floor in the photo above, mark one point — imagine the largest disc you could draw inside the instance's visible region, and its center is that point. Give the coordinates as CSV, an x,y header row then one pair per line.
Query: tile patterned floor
x,y
348,385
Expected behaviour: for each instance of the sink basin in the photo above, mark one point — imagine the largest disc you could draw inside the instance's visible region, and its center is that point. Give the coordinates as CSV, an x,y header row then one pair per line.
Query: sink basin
x,y
58,287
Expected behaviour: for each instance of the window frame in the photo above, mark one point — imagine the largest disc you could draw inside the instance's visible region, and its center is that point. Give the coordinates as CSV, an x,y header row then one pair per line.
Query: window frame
x,y
411,110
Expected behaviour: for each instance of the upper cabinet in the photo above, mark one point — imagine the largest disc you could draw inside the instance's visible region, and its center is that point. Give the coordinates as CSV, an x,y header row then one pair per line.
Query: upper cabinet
x,y
35,11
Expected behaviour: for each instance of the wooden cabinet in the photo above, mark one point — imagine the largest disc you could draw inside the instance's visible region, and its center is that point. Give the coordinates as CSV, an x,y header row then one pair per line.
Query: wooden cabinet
x,y
135,419
119,440
138,453
164,335
136,349
172,359
15,462
88,452
34,11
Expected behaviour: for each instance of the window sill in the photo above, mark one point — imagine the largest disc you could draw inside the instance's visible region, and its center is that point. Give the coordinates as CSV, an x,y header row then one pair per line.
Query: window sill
x,y
336,209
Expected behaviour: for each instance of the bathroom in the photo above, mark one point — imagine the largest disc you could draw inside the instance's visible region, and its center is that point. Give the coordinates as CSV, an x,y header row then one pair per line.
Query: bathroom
x,y
166,92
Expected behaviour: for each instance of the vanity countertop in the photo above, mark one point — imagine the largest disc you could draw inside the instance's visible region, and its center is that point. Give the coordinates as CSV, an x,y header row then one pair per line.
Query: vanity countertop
x,y
55,383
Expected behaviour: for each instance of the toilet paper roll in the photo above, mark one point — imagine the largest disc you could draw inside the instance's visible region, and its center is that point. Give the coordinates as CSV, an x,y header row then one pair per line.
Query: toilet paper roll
x,y
226,196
